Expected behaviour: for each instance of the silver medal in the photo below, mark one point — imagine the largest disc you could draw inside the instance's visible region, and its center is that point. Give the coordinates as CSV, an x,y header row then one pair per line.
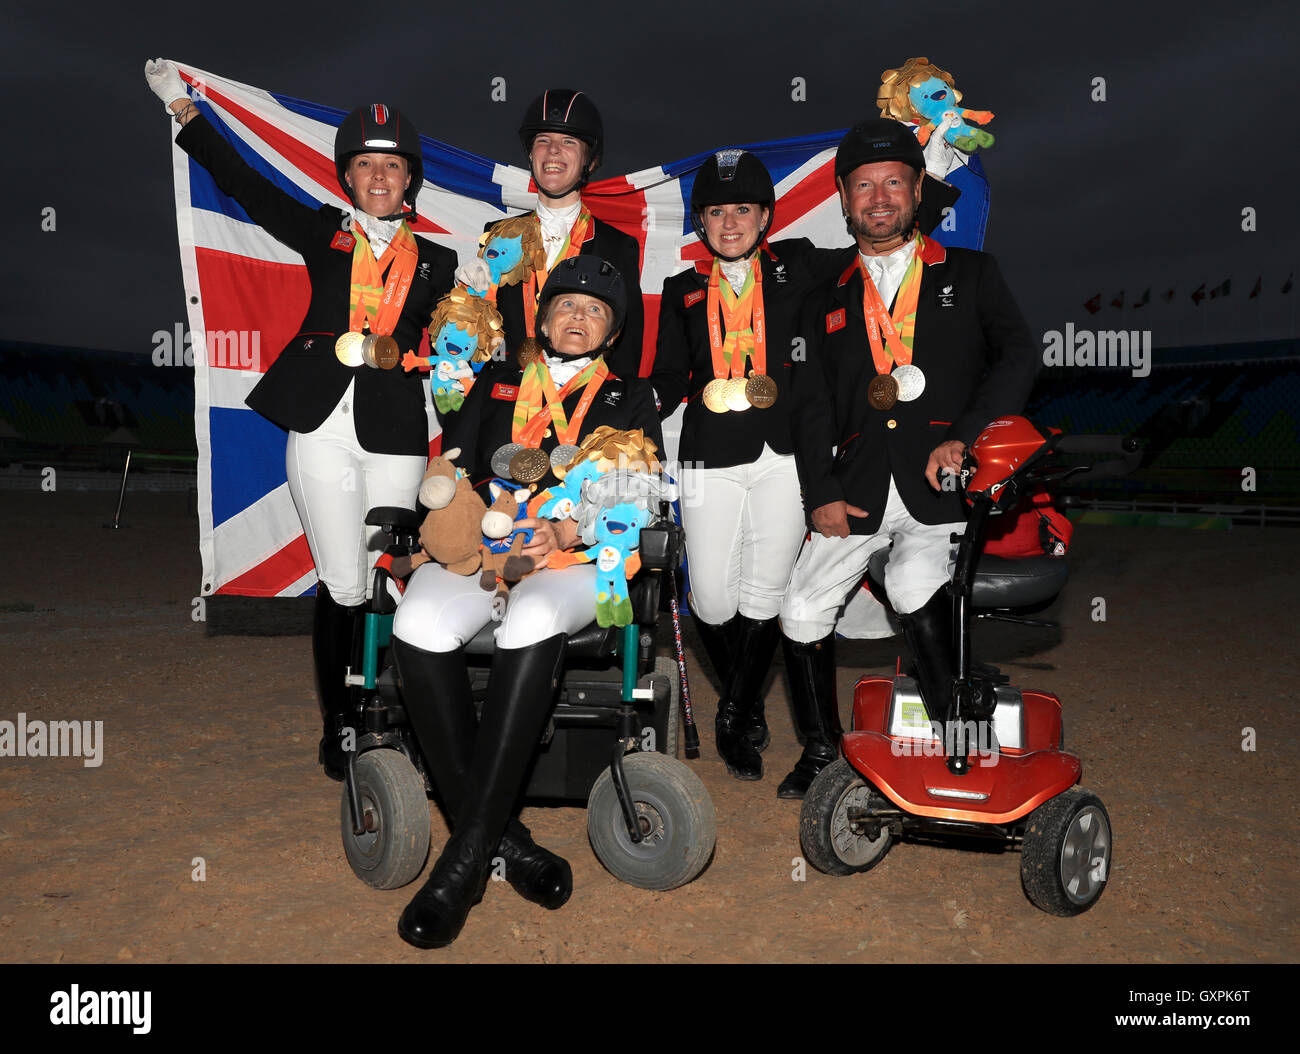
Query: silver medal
x,y
563,454
501,459
911,382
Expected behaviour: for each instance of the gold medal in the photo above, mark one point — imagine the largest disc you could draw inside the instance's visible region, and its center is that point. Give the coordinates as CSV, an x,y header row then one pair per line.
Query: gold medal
x,y
882,392
529,465
760,390
713,396
734,395
347,349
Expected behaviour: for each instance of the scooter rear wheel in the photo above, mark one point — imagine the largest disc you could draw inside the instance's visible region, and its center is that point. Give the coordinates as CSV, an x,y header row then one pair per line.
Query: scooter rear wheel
x,y
829,841
1065,855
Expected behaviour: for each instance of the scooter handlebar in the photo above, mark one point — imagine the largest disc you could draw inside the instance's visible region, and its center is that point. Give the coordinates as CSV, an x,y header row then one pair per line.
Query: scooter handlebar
x,y
1096,444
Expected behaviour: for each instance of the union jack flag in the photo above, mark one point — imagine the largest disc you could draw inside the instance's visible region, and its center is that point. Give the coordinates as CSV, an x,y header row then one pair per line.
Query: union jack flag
x,y
241,281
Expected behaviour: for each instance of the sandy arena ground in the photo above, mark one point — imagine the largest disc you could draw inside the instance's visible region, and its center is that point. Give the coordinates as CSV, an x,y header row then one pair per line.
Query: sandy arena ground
x,y
210,751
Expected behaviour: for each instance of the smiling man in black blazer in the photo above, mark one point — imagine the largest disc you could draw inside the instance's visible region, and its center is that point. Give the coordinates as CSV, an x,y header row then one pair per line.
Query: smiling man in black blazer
x,y
912,350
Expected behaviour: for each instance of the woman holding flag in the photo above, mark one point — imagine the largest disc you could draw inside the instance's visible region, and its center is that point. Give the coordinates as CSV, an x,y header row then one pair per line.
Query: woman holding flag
x,y
519,420
358,432
727,343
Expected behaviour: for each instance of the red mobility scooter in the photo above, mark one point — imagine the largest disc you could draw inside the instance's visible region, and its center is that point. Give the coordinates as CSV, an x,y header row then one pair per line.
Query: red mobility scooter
x,y
997,767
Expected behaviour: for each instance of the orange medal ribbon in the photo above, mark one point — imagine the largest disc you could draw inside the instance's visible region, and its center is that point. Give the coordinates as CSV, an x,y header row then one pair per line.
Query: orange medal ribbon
x,y
902,325
531,418
372,298
572,247
745,315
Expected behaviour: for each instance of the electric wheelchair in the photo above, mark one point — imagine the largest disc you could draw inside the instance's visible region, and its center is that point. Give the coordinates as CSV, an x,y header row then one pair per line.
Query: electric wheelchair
x,y
611,740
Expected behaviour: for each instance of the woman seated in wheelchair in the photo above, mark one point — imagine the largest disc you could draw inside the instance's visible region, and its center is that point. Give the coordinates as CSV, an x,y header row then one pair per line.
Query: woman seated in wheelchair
x,y
557,394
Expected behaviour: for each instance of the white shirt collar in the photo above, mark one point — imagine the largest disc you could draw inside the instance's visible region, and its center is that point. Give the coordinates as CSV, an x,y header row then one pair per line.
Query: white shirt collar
x,y
887,271
736,272
564,370
378,232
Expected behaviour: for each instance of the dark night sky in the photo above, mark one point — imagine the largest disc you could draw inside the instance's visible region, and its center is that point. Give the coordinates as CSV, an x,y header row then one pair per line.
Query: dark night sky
x,y
1144,189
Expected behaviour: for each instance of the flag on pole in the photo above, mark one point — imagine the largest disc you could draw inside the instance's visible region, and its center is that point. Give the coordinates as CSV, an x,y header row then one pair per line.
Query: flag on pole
x,y
239,279
1118,301
1199,294
1222,289
1146,299
1259,285
1093,304
1168,295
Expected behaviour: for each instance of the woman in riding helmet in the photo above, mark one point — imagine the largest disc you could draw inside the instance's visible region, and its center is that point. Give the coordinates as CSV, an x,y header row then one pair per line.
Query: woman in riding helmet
x,y
538,407
727,344
358,433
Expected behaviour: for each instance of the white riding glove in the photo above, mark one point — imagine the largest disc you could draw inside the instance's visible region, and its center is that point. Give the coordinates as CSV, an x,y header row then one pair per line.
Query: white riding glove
x,y
940,155
475,275
165,82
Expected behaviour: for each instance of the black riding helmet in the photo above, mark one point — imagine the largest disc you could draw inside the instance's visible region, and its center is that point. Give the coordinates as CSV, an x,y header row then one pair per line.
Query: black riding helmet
x,y
732,177
594,277
878,139
379,129
568,112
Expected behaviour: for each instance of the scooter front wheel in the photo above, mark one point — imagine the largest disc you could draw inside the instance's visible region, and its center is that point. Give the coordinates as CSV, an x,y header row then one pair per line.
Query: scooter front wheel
x,y
1065,855
832,843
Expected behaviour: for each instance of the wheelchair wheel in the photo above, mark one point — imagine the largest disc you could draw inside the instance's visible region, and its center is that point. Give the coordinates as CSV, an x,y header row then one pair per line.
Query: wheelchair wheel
x,y
665,671
1065,854
826,835
678,825
393,800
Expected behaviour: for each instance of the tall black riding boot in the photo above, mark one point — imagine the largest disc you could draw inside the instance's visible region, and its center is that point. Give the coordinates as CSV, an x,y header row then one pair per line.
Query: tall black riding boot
x,y
720,642
521,692
928,632
815,702
333,635
435,689
755,642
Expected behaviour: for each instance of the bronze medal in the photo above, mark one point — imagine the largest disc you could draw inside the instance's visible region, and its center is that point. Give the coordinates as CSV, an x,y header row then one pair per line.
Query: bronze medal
x,y
760,390
713,392
734,395
529,465
385,354
910,381
882,392
528,350
347,349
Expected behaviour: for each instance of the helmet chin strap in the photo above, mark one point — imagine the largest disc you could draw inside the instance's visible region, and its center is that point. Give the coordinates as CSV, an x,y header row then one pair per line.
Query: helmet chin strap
x,y
890,244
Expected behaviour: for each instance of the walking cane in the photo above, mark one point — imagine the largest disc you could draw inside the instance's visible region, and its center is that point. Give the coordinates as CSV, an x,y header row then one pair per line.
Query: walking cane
x,y
690,736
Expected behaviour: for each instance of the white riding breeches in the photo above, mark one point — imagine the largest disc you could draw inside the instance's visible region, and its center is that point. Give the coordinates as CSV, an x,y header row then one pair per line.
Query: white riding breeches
x,y
828,569
743,529
442,611
334,483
